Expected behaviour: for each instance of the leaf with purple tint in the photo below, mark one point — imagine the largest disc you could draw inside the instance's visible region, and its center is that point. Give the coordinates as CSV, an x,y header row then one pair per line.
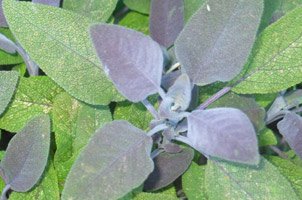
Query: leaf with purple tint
x,y
55,3
166,20
217,40
291,129
115,161
27,154
3,22
136,71
168,167
225,133
7,45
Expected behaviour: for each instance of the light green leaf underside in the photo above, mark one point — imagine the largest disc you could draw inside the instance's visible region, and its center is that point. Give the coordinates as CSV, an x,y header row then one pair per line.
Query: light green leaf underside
x,y
142,6
191,6
33,97
97,10
229,181
267,137
46,189
62,48
136,21
8,82
74,123
275,63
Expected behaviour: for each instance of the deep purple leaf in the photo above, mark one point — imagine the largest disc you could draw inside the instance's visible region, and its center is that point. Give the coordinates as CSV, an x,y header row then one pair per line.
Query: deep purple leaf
x,y
166,20
3,22
133,61
225,133
55,3
168,167
291,129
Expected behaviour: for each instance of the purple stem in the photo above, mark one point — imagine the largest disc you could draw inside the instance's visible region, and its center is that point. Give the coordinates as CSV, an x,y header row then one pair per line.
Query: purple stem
x,y
213,98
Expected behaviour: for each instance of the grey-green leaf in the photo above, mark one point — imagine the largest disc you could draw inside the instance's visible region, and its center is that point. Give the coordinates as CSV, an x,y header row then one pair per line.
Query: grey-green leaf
x,y
27,154
217,40
115,161
62,48
142,6
8,82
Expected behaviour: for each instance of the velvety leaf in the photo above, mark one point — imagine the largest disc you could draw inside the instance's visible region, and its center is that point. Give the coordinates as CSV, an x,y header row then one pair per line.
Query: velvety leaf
x,y
291,129
73,123
136,72
3,22
267,137
62,48
142,6
225,133
166,20
168,79
136,21
8,83
220,35
167,168
225,181
265,100
193,182
270,7
26,155
114,154
34,96
152,196
47,188
55,3
275,63
191,6
7,45
97,10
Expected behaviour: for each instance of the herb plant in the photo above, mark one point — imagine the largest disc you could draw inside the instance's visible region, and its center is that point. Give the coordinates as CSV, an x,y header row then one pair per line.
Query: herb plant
x,y
151,99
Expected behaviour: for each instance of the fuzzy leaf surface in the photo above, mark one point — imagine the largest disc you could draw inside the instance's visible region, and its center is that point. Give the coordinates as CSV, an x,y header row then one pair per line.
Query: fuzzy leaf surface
x,y
55,3
142,6
217,40
114,153
8,83
136,21
191,6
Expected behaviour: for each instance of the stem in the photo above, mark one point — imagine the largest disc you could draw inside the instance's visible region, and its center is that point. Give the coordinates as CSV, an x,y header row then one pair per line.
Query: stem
x,y
4,191
183,139
215,97
155,153
31,66
157,129
150,108
175,66
279,152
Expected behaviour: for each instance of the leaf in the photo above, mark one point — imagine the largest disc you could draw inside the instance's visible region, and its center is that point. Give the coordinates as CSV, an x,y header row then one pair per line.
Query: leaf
x,y
8,83
193,182
47,188
152,196
220,35
166,20
270,7
291,129
225,133
142,6
62,48
136,21
33,97
191,6
225,181
73,123
275,63
7,45
291,171
136,72
55,3
167,168
26,155
117,159
3,22
267,137
97,10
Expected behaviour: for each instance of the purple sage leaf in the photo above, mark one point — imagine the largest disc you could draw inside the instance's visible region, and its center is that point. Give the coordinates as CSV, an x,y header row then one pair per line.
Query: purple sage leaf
x,y
7,45
133,61
27,154
217,40
55,3
3,22
225,133
166,20
291,129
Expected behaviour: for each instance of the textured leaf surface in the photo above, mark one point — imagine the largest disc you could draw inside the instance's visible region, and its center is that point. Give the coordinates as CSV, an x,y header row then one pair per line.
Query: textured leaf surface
x,y
7,45
152,196
225,181
275,63
8,83
46,189
136,21
62,48
217,40
167,168
136,72
142,6
191,6
193,182
166,20
55,3
3,22
114,154
26,155
225,133
74,123
267,137
291,129
34,96
97,10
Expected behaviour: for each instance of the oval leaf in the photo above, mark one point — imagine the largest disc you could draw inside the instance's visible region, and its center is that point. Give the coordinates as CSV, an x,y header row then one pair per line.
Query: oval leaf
x,y
217,40
27,154
166,20
115,161
142,6
291,129
133,61
225,133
